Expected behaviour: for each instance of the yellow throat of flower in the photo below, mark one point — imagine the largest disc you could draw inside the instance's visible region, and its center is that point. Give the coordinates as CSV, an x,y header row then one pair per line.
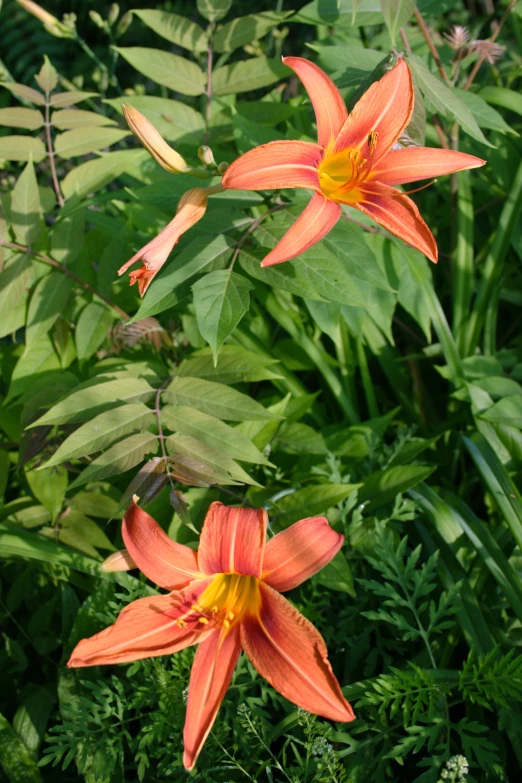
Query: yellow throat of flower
x,y
340,173
225,601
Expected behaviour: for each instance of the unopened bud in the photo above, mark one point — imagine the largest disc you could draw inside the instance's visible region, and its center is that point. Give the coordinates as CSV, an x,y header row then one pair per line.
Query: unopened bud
x,y
153,141
97,19
206,155
222,167
50,22
124,24
114,12
118,561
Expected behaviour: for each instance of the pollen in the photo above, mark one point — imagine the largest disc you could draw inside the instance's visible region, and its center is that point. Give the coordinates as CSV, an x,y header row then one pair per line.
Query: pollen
x,y
203,620
340,174
227,599
373,138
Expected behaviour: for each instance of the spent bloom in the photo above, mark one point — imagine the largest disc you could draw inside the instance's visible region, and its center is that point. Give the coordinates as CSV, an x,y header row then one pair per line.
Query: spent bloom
x,y
226,597
354,162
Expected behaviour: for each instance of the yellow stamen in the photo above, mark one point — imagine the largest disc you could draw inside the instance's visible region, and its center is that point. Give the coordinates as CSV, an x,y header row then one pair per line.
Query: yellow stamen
x,y
203,620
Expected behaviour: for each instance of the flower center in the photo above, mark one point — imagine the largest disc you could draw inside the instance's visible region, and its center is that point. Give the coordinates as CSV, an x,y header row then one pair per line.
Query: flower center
x,y
340,173
225,601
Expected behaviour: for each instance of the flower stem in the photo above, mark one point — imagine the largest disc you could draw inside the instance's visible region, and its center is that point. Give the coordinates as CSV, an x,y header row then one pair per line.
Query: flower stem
x,y
50,152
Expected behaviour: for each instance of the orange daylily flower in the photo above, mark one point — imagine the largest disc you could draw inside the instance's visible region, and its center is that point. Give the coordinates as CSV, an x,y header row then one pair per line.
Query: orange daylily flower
x,y
191,208
354,162
226,597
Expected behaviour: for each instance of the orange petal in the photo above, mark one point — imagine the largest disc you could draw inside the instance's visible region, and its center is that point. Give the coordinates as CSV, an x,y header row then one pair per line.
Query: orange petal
x,y
329,107
212,670
232,540
163,561
317,219
384,109
290,653
299,552
145,628
414,163
399,214
278,164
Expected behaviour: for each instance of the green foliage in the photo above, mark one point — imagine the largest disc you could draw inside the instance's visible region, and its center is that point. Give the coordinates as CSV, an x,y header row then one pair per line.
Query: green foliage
x,y
355,382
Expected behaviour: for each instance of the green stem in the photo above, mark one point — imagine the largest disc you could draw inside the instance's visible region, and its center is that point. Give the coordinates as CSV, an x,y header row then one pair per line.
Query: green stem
x,y
494,264
463,258
371,400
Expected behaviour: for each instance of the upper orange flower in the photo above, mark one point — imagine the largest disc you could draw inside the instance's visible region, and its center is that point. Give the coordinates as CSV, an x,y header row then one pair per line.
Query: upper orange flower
x,y
226,598
354,162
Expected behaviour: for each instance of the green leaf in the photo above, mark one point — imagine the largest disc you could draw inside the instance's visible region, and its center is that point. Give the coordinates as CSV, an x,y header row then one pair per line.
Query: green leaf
x,y
49,486
173,119
103,430
83,533
503,97
70,98
337,575
82,404
247,75
215,399
25,93
47,304
92,329
30,719
67,119
221,299
16,117
23,148
396,14
119,458
15,759
508,410
311,501
199,254
165,68
235,364
174,28
15,281
485,115
244,29
213,10
25,206
94,174
444,99
209,429
382,487
223,468
37,360
47,78
81,141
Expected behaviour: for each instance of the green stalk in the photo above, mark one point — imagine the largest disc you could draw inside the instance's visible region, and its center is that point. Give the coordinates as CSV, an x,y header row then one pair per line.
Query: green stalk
x,y
463,258
494,264
369,392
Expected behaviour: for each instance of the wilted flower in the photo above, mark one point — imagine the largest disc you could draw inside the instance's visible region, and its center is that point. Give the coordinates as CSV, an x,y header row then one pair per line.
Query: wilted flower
x,y
458,37
489,50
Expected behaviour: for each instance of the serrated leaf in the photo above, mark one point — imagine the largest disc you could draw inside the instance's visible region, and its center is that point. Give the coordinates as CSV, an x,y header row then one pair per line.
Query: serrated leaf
x,y
174,28
147,483
248,75
23,148
47,78
173,119
81,141
103,430
209,429
37,360
47,304
68,119
92,329
444,99
25,93
70,98
244,29
18,117
485,115
198,255
49,487
221,299
89,530
311,501
94,174
164,68
119,458
82,404
235,364
215,399
213,10
220,464
396,14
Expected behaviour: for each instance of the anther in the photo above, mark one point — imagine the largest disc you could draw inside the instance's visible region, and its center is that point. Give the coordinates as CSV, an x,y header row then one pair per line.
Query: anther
x,y
373,137
203,620
230,616
226,623
181,623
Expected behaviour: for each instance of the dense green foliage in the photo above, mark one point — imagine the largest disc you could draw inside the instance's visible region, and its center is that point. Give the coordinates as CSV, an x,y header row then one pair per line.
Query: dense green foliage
x,y
356,381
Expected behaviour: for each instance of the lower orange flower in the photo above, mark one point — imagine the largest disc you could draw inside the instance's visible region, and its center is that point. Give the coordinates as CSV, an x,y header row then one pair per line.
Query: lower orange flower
x,y
226,598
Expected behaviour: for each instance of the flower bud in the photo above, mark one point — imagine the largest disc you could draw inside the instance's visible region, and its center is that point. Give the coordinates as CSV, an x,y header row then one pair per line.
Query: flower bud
x,y
50,22
118,561
124,24
206,155
96,18
153,141
222,167
114,12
